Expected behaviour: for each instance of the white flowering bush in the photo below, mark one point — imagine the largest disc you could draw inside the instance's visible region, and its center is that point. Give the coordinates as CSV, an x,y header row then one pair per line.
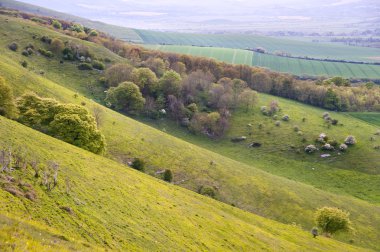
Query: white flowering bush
x,y
343,147
327,147
310,148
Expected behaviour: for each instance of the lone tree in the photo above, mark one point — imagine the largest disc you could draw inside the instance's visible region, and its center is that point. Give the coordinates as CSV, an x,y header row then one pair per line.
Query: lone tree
x,y
332,220
126,97
168,176
7,105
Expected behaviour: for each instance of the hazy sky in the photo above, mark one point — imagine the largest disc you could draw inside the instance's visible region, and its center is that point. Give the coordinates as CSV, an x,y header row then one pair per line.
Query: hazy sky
x,y
171,13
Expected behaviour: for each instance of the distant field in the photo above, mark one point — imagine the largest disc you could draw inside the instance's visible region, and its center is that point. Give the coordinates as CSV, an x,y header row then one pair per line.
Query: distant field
x,y
373,118
281,64
241,41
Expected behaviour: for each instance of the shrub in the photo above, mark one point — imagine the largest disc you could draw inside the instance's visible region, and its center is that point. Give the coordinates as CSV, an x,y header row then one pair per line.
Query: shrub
x,y
24,64
333,143
327,147
285,118
332,220
207,191
56,24
334,122
46,53
118,73
277,123
350,140
25,53
93,33
310,148
168,176
30,50
326,115
7,105
343,147
13,46
323,138
84,66
46,39
98,65
57,45
264,110
138,164
296,128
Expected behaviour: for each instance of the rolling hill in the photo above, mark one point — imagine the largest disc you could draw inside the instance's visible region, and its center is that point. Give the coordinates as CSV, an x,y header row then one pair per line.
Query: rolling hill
x,y
238,183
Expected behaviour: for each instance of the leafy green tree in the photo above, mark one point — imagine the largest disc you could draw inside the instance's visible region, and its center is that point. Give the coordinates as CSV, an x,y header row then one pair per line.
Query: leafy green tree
x,y
170,83
126,97
157,65
7,104
332,220
146,79
68,122
168,176
73,124
118,73
56,24
138,164
248,98
332,100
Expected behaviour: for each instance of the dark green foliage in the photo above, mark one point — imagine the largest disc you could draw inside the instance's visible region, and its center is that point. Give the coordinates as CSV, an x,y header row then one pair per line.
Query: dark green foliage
x,y
126,97
7,105
46,39
138,164
93,33
25,53
46,53
207,191
56,24
168,176
13,46
332,100
24,64
85,66
68,54
76,28
332,220
146,80
98,65
68,122
170,83
118,73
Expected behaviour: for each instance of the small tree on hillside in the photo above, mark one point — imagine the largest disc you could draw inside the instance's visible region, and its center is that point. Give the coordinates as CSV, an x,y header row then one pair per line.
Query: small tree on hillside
x,y
127,97
168,176
332,220
138,164
248,98
146,80
118,73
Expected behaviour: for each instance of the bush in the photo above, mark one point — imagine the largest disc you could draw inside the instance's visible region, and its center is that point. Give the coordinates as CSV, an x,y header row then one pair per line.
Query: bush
x,y
25,53
207,191
98,65
332,220
93,33
56,24
138,164
13,46
327,147
126,96
326,115
334,122
343,147
264,110
57,45
84,66
277,123
46,39
310,148
30,50
46,53
168,176
24,64
285,118
118,73
350,140
296,128
68,122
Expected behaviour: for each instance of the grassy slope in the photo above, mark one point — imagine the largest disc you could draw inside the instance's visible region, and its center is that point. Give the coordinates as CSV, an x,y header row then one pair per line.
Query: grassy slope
x,y
116,31
296,48
299,67
119,208
238,183
372,118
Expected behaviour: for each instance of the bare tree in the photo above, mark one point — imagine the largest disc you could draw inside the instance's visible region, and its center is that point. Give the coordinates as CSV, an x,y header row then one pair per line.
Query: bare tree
x,y
98,112
6,159
50,175
35,164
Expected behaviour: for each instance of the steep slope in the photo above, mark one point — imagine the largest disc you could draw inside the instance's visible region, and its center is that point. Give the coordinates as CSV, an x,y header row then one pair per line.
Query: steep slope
x,y
115,207
236,183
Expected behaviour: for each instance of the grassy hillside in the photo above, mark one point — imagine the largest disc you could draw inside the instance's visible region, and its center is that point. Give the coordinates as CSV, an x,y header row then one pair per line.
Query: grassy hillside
x,y
236,183
125,33
298,67
240,41
372,118
115,207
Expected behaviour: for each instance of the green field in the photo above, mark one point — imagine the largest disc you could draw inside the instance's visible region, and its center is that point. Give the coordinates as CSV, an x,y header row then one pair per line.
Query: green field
x,y
279,188
372,118
300,67
295,48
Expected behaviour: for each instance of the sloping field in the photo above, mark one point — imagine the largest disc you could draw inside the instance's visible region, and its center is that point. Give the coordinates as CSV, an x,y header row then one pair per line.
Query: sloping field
x,y
300,67
295,48
372,118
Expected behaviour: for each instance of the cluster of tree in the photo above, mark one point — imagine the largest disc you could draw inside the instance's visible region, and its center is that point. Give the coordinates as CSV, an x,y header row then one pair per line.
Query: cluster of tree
x,y
68,122
356,98
196,100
